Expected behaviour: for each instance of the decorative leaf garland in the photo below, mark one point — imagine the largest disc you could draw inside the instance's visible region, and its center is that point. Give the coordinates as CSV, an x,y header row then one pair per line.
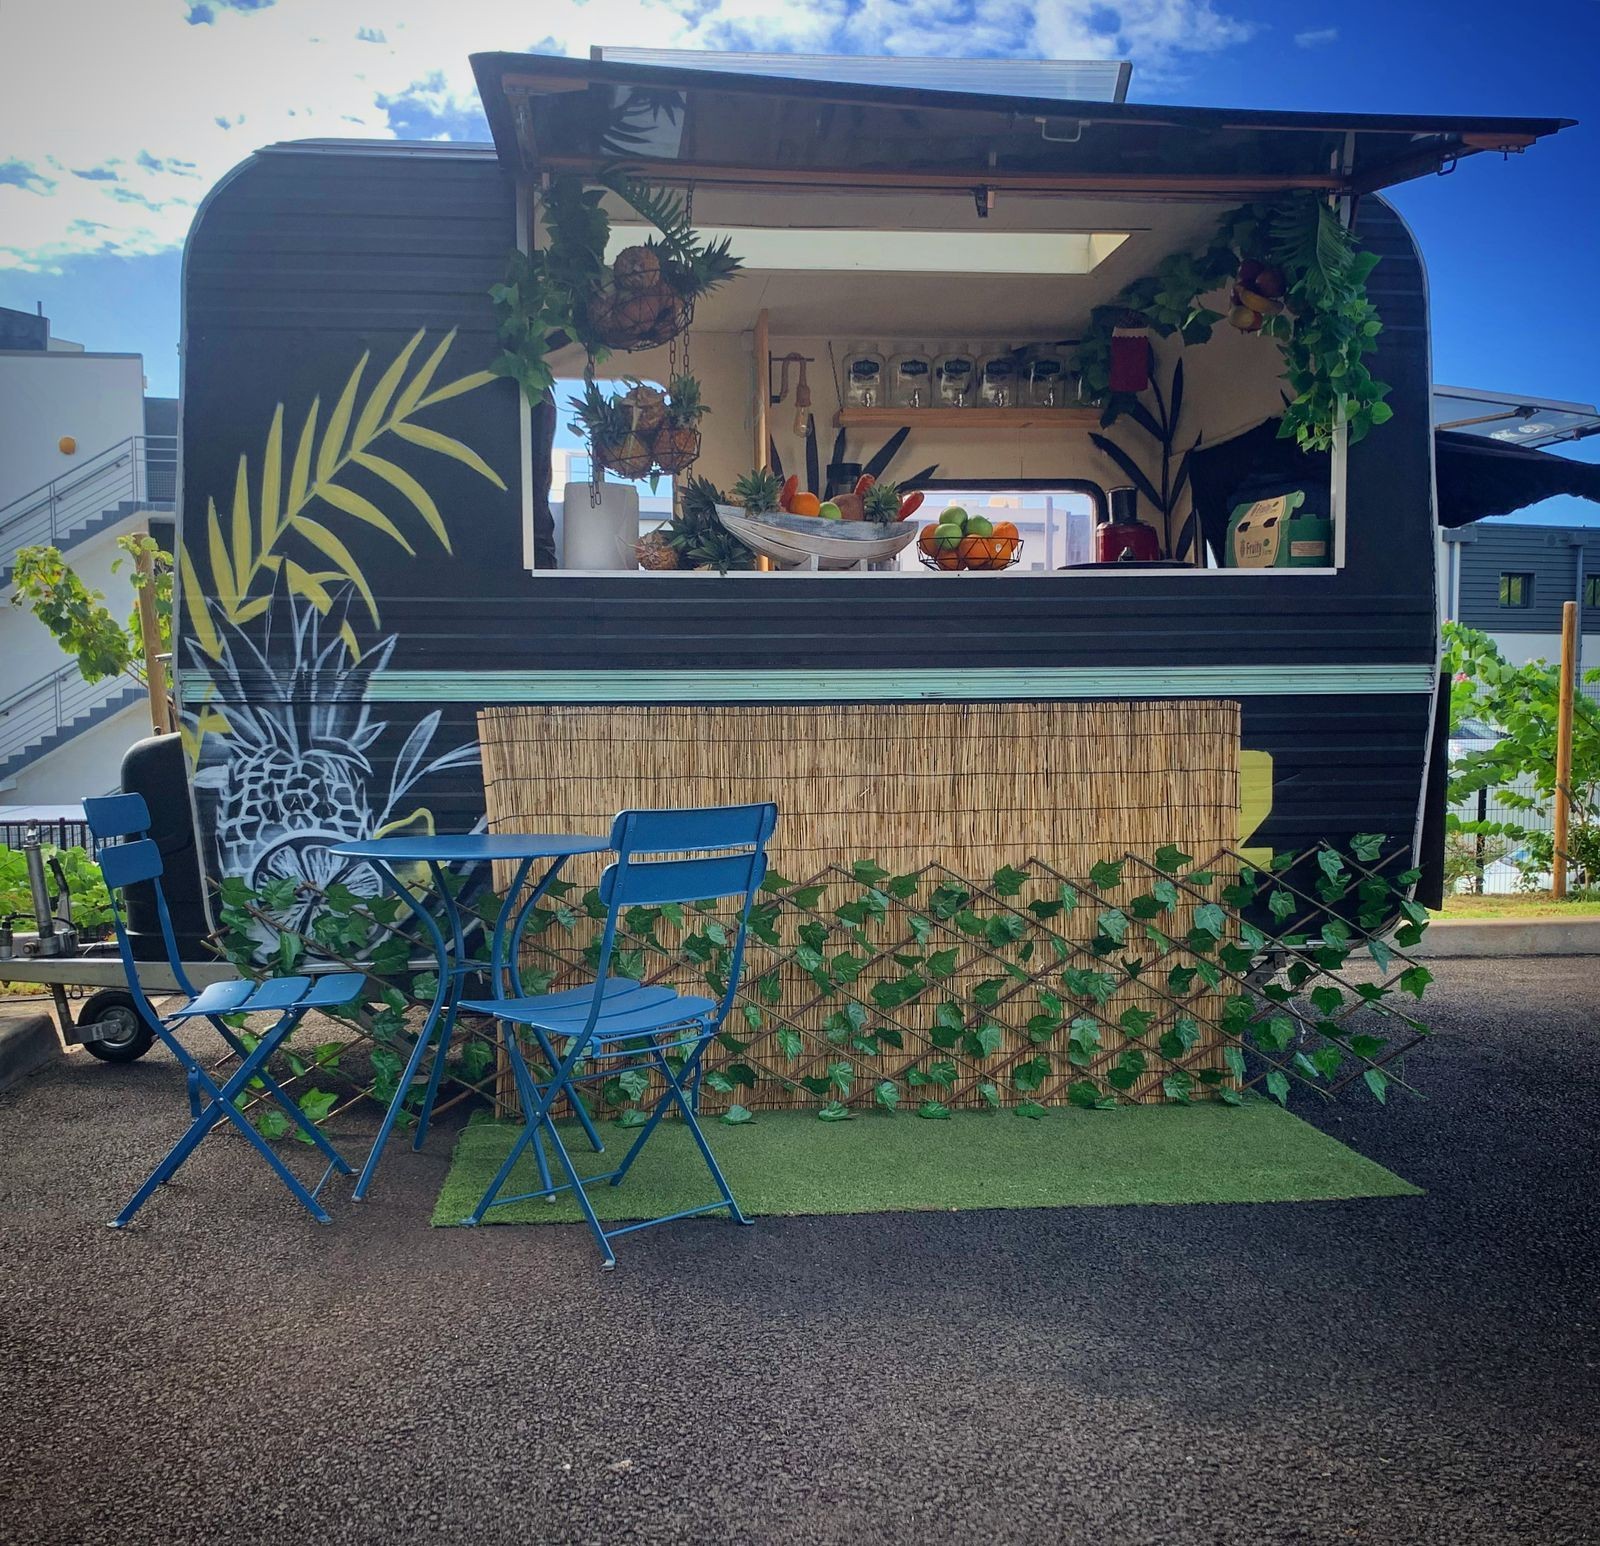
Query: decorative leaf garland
x,y
1325,332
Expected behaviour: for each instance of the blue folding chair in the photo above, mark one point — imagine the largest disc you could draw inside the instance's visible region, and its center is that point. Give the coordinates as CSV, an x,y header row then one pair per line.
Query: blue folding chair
x,y
617,1022
135,860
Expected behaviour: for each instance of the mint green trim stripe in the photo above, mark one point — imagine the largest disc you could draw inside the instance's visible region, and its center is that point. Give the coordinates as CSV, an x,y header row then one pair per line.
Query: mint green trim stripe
x,y
1001,685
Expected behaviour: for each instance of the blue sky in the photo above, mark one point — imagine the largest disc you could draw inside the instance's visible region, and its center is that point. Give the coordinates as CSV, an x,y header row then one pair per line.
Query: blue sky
x,y
97,184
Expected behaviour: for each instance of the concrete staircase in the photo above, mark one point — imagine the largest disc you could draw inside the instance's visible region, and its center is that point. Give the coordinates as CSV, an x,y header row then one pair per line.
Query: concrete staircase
x,y
46,714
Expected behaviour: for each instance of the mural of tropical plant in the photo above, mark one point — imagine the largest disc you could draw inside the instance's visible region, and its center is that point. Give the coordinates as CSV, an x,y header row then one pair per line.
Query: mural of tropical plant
x,y
272,530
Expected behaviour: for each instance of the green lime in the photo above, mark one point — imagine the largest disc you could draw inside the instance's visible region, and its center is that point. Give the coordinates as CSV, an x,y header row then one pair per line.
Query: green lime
x,y
831,512
946,535
954,516
979,526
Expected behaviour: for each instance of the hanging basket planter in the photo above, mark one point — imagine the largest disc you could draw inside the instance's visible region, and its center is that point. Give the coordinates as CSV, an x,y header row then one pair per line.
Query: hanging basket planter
x,y
623,315
629,457
676,450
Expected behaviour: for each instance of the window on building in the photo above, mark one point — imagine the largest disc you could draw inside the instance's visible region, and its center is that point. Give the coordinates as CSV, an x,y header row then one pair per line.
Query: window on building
x,y
1591,590
1516,590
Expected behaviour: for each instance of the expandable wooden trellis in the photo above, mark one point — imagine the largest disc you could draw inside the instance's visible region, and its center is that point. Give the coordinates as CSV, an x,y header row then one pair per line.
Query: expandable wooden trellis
x,y
946,793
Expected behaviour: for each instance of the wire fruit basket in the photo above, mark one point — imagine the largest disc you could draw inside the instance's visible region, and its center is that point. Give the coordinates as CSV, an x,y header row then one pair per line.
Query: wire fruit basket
x,y
985,553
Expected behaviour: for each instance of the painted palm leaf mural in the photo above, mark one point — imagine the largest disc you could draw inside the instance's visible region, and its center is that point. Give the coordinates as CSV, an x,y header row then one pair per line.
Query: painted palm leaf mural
x,y
285,620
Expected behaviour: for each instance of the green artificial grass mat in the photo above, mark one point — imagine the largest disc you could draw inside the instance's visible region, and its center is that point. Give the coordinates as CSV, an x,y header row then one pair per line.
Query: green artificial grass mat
x,y
792,1163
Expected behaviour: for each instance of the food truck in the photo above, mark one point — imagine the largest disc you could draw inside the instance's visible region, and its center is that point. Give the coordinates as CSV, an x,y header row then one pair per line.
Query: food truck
x,y
1168,367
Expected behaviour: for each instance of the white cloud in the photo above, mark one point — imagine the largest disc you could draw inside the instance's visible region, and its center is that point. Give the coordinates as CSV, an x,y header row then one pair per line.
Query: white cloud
x,y
165,96
1318,37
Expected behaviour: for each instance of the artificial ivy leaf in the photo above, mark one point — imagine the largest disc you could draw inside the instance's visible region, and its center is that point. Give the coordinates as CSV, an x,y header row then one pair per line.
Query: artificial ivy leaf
x,y
987,993
1326,999
1327,1061
1106,876
1085,1094
1365,1046
1145,907
1211,918
868,871
1180,1037
1280,903
841,1075
807,897
1229,1097
983,1042
1278,1086
1367,846
867,1046
886,1093
942,962
846,967
741,1073
1273,1034
989,1092
1043,910
634,1082
1082,982
1331,864
1003,928
1234,1058
947,900
1042,1028
920,928
934,1111
632,1117
789,1043
844,1023
1177,1085
752,1016
1083,1040
738,1116
1416,980
1008,881
1135,1022
1029,1076
1029,1108
969,922
1165,893
718,1081
1127,1070
1235,958
776,882
1179,979
1378,1082
808,957
901,887
1171,858
1303,1066
835,1111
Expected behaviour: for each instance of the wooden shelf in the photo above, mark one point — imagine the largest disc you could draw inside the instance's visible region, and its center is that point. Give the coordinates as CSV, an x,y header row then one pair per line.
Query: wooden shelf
x,y
968,418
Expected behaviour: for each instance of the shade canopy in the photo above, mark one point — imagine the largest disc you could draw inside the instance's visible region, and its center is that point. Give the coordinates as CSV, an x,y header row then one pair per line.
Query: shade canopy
x,y
1478,477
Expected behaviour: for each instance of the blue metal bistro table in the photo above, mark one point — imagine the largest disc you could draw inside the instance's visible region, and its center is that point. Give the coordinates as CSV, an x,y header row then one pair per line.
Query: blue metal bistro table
x,y
521,849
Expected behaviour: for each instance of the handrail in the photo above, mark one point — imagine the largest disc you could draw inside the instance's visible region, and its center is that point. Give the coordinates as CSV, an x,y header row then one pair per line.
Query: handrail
x,y
45,706
140,469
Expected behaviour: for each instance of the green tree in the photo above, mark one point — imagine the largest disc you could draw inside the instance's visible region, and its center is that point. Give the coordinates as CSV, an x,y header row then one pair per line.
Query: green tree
x,y
1522,702
79,619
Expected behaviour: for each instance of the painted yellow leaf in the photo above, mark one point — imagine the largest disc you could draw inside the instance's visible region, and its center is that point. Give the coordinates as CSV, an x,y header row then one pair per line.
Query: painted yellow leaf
x,y
414,491
321,538
243,542
363,509
377,403
221,564
250,610
432,440
348,635
300,475
303,583
339,422
419,383
194,599
455,388
271,480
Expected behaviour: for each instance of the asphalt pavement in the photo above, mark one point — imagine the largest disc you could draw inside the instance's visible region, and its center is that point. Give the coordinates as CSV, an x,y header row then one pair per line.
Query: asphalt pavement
x,y
1410,1370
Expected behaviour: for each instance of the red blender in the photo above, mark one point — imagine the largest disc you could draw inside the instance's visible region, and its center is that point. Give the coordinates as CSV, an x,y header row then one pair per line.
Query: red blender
x,y
1125,539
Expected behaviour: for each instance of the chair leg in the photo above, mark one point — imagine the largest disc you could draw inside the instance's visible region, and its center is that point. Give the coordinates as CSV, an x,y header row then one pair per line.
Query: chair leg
x,y
607,1255
549,1054
527,1093
221,1108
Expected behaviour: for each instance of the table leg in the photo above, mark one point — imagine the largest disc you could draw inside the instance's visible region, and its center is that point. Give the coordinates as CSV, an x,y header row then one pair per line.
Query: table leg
x,y
446,994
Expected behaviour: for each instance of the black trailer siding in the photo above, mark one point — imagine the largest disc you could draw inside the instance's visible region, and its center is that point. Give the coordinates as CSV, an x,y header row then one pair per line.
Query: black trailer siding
x,y
310,258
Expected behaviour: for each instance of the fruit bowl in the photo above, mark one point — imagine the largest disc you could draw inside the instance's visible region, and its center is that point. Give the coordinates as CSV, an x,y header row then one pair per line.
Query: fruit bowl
x,y
805,540
978,553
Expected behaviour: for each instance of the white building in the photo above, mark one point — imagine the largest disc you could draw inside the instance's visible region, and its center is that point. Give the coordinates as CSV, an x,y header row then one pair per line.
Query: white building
x,y
85,458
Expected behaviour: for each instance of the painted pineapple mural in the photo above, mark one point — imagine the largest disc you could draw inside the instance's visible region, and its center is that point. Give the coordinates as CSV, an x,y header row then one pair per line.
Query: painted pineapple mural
x,y
282,738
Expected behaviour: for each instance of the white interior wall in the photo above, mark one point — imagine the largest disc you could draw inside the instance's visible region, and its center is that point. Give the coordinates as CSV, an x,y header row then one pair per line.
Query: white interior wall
x,y
98,399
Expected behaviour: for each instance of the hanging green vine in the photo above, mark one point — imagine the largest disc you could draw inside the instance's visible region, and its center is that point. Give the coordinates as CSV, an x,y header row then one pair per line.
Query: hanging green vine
x,y
1325,326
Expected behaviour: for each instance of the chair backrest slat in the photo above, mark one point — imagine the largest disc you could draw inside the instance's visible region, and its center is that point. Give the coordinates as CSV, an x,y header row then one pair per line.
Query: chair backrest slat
x,y
126,864
117,815
681,880
681,831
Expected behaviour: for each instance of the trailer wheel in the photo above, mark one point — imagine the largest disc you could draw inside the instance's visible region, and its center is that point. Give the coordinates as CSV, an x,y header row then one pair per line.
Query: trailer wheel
x,y
114,1010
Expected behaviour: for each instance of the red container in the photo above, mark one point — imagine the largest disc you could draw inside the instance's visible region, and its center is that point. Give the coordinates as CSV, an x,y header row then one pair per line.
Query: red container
x,y
1125,538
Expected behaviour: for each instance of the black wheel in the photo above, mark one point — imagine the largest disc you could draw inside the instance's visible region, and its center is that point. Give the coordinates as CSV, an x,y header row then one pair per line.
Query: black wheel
x,y
117,1017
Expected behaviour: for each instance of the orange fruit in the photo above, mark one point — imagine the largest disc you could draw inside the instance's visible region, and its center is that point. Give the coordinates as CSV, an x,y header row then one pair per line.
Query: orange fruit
x,y
927,542
948,559
1005,549
973,552
804,504
1004,529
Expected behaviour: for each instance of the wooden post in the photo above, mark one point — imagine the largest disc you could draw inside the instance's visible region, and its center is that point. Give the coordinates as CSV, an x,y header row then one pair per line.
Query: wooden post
x,y
155,671
1569,670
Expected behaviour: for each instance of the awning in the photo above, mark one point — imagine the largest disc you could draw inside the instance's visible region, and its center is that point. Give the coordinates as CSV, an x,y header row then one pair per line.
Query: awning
x,y
1478,477
1512,418
714,125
